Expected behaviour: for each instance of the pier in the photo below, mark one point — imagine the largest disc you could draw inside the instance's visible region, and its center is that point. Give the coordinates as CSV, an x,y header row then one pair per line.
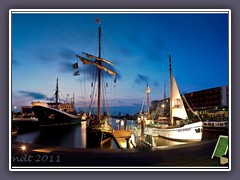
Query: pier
x,y
192,155
122,138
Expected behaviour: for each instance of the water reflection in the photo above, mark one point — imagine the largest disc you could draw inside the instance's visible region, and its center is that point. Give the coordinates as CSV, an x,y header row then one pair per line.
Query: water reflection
x,y
161,142
75,136
69,136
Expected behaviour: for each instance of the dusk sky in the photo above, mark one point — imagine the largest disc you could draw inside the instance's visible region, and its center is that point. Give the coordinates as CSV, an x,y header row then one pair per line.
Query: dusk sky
x,y
44,48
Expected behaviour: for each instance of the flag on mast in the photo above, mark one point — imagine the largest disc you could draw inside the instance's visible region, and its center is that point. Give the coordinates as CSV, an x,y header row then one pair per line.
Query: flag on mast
x,y
98,20
77,73
75,65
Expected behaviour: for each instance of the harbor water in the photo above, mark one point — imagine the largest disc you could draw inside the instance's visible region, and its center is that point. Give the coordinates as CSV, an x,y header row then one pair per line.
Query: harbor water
x,y
75,136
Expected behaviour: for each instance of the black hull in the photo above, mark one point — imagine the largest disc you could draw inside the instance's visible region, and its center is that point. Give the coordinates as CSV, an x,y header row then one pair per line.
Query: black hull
x,y
96,137
53,117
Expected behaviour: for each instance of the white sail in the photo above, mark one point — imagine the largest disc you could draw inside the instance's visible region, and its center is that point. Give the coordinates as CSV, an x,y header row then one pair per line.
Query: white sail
x,y
178,109
184,132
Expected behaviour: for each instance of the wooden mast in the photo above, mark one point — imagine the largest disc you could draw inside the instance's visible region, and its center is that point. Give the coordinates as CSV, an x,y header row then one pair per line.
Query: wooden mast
x,y
56,94
170,73
98,63
148,106
99,73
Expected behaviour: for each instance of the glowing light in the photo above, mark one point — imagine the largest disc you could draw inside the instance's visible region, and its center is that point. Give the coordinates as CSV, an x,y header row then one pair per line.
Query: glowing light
x,y
23,147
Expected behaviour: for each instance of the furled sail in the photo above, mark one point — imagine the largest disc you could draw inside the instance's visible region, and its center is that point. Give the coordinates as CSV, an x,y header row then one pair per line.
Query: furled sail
x,y
98,59
178,109
86,61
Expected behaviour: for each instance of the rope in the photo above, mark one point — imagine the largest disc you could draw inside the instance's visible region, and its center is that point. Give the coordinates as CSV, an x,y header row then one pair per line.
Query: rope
x,y
191,108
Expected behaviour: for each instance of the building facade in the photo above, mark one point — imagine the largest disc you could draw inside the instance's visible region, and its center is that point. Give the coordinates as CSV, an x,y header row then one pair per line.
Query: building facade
x,y
210,104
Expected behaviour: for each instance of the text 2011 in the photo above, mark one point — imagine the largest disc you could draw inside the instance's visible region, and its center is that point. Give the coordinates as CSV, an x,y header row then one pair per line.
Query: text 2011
x,y
37,158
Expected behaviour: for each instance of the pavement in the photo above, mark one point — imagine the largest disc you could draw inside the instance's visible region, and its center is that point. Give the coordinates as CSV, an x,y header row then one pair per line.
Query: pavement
x,y
193,155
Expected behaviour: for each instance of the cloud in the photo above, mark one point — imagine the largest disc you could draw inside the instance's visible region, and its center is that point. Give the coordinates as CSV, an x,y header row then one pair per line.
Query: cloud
x,y
125,51
141,79
15,62
67,67
34,95
121,102
156,83
153,47
137,104
67,54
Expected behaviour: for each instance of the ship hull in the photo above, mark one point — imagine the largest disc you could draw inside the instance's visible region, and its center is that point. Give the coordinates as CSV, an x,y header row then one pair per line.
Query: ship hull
x,y
54,117
97,137
189,132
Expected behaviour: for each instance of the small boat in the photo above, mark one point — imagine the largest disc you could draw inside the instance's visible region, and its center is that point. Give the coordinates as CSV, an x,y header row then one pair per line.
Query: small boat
x,y
180,128
54,116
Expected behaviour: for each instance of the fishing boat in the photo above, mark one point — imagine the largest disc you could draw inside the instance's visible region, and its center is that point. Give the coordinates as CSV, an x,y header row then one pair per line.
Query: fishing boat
x,y
98,130
180,127
55,115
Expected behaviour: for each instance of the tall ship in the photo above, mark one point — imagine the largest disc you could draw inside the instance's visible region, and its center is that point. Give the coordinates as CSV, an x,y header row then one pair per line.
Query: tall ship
x,y
56,114
98,129
180,126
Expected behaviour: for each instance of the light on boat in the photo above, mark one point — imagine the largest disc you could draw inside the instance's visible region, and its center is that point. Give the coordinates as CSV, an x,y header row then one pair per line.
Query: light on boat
x,y
84,116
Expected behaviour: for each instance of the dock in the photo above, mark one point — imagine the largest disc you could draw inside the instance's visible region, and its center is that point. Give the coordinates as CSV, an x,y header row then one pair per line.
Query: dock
x,y
187,155
122,138
25,124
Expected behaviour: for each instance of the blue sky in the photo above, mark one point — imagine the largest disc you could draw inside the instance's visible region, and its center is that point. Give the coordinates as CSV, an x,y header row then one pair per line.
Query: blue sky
x,y
44,47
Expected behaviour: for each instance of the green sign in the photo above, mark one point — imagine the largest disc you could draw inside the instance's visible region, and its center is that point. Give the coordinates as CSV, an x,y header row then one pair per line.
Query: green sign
x,y
221,147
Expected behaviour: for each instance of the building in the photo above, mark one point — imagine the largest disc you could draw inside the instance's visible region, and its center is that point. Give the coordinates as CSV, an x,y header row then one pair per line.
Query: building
x,y
66,107
210,104
27,111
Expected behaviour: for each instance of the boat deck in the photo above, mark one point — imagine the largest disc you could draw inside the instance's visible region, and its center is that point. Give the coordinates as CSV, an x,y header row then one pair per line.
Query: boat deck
x,y
122,138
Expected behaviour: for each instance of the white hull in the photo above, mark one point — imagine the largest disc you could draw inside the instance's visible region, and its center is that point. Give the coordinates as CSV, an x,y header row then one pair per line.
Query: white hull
x,y
189,132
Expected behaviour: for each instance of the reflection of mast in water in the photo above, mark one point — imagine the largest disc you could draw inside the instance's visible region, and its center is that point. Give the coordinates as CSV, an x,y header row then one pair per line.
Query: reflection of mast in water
x,y
83,134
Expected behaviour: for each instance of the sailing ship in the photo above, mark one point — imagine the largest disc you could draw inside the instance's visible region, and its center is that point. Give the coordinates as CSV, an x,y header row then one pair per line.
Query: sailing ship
x,y
145,116
180,128
98,129
55,115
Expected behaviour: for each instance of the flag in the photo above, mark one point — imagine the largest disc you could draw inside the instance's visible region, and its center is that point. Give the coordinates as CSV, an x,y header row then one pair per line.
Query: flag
x,y
75,65
98,20
77,73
